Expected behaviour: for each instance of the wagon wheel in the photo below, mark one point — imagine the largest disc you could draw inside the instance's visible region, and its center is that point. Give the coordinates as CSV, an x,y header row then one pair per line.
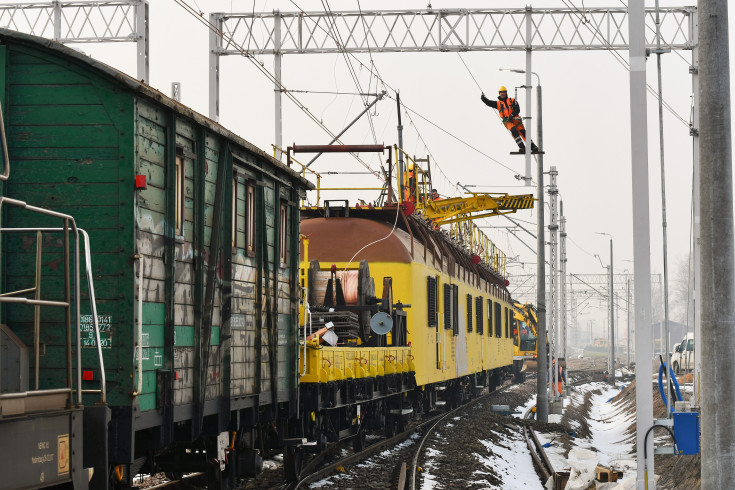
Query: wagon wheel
x,y
365,291
292,462
358,443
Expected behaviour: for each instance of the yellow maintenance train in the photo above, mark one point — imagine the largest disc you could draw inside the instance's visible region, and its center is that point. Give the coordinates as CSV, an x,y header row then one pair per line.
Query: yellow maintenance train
x,y
406,306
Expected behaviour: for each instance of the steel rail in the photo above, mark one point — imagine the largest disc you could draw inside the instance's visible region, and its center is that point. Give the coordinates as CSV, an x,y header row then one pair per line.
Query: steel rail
x,y
367,452
414,462
373,448
534,446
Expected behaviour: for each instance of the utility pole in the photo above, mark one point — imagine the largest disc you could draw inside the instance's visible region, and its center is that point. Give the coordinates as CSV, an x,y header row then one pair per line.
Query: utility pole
x,y
718,249
627,309
563,279
659,51
400,153
612,319
542,399
641,241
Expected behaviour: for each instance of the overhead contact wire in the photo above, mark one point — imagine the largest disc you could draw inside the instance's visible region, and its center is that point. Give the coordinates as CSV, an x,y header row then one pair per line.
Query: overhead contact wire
x,y
271,77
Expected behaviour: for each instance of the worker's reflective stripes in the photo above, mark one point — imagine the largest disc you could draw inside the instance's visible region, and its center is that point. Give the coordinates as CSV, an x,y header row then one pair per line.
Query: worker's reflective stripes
x,y
505,107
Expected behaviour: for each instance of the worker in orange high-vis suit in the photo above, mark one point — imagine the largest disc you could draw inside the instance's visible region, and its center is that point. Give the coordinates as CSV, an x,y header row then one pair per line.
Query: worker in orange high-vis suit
x,y
509,110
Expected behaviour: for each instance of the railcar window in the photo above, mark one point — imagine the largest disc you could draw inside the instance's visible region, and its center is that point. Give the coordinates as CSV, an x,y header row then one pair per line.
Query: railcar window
x,y
250,218
490,317
179,202
448,306
455,309
238,214
431,301
507,322
469,312
282,235
234,213
479,315
498,317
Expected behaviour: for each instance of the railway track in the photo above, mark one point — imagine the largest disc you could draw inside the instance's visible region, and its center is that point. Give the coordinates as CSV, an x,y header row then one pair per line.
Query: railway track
x,y
313,474
404,474
407,473
538,454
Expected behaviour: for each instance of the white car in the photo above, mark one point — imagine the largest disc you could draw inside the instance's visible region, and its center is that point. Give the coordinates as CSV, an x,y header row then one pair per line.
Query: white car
x,y
682,360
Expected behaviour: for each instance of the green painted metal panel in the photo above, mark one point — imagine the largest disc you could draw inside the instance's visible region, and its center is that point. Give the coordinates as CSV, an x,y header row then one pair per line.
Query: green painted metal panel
x,y
69,194
151,131
149,382
152,198
154,172
151,151
147,401
63,115
84,171
35,71
52,94
52,264
71,145
153,314
63,136
184,336
84,156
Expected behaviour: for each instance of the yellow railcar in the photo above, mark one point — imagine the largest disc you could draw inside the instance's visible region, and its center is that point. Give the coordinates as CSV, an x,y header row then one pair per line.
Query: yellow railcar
x,y
456,312
405,307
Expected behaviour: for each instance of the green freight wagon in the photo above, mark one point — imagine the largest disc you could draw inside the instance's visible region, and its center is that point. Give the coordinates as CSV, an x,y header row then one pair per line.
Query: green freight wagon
x,y
194,240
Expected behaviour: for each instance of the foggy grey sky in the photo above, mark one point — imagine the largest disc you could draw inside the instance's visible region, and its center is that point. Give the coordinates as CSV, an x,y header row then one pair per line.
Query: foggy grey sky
x,y
585,111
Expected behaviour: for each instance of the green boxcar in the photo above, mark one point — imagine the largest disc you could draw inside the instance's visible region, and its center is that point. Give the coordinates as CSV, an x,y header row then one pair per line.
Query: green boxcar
x,y
214,230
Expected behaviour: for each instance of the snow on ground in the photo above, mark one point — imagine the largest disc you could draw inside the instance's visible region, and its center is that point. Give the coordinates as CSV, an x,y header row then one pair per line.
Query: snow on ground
x,y
428,480
608,423
512,462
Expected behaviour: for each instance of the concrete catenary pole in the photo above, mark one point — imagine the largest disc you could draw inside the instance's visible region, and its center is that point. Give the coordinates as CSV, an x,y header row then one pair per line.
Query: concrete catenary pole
x,y
563,279
696,239
542,399
627,309
641,241
718,249
277,90
612,319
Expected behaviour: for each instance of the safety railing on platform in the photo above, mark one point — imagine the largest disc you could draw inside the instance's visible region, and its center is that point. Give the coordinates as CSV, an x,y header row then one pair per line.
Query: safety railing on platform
x,y
291,150
416,187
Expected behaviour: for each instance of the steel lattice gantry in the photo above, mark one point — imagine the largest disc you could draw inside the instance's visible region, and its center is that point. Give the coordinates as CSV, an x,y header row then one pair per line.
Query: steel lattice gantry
x,y
445,30
84,21
280,33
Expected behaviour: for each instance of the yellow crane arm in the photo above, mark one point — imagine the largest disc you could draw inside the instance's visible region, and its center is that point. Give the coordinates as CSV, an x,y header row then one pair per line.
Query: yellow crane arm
x,y
447,210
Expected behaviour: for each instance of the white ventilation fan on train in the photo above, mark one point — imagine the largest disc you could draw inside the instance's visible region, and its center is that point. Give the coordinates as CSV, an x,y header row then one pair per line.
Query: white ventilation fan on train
x,y
381,323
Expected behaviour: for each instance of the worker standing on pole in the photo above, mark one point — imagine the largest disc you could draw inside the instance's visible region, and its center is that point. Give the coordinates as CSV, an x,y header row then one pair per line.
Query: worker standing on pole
x,y
509,110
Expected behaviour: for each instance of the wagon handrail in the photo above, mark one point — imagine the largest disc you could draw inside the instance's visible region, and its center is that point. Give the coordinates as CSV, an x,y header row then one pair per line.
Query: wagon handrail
x,y
6,159
90,285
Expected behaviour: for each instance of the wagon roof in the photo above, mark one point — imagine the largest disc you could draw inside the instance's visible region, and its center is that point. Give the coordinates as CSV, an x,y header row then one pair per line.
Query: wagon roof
x,y
147,91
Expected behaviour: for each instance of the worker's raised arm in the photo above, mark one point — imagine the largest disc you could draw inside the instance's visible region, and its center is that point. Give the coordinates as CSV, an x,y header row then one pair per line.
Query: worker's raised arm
x,y
489,102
